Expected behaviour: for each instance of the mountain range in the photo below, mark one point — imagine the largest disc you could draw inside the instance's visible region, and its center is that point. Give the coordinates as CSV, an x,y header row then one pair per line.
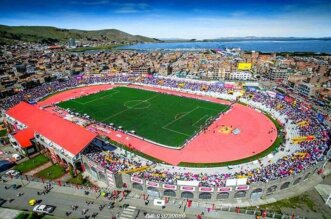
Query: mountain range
x,y
51,35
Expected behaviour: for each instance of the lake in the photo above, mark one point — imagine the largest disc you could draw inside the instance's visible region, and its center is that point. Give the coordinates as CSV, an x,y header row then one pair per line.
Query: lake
x,y
317,46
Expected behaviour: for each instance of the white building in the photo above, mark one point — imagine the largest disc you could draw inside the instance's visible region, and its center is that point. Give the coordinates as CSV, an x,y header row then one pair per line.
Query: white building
x,y
240,75
306,89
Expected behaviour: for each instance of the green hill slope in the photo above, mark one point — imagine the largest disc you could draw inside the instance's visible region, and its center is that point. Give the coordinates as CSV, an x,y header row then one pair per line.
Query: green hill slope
x,y
51,35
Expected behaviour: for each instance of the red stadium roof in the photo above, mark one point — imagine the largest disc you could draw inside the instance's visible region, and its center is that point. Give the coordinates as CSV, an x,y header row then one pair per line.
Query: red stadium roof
x,y
24,136
69,136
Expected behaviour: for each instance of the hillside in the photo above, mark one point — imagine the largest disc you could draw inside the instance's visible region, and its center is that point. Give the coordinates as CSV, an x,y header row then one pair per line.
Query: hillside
x,y
51,35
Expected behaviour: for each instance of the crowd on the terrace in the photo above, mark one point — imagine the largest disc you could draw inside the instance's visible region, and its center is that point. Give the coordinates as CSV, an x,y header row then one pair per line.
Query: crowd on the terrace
x,y
189,85
111,161
48,88
311,151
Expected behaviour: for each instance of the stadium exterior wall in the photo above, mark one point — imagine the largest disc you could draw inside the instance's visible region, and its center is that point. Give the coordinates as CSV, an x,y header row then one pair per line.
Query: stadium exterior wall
x,y
229,194
225,194
101,174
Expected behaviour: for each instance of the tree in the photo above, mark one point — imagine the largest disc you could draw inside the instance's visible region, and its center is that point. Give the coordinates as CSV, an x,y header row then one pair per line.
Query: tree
x,y
33,215
71,171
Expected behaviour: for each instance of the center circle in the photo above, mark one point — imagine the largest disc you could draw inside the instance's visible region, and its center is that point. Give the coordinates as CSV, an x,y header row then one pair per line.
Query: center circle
x,y
137,104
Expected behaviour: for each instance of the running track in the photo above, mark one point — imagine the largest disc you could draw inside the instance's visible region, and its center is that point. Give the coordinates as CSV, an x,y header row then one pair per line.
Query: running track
x,y
257,132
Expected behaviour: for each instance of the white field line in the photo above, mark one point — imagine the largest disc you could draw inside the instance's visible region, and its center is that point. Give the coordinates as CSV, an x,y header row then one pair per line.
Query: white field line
x,y
176,132
110,94
211,109
185,114
199,120
193,125
76,102
116,114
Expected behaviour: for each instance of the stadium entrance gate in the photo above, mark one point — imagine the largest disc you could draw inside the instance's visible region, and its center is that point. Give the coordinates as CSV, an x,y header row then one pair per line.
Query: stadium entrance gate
x,y
94,173
153,192
256,194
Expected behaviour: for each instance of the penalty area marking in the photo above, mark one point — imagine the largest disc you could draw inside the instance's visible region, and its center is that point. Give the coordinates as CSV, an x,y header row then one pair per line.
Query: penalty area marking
x,y
194,124
179,116
176,119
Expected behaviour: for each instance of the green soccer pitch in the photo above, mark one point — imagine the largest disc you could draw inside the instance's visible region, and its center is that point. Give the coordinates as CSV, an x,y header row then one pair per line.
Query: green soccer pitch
x,y
165,119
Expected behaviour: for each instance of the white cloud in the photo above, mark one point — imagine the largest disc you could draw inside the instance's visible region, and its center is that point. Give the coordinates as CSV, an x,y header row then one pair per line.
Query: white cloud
x,y
123,8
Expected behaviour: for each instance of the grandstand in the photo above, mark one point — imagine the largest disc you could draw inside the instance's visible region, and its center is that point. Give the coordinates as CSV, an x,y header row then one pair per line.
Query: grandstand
x,y
242,153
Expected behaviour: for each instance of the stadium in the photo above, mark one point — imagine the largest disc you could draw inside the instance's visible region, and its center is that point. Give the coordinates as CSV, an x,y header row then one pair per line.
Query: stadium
x,y
212,142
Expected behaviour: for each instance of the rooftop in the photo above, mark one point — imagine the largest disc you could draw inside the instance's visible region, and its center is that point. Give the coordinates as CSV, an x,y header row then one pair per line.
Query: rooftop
x,y
69,136
24,136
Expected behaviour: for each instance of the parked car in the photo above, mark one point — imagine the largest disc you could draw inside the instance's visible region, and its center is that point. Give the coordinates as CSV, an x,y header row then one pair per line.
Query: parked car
x,y
13,173
5,165
17,157
46,209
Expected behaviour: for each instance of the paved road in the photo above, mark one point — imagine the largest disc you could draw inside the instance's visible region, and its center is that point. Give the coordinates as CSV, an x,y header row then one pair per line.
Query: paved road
x,y
63,204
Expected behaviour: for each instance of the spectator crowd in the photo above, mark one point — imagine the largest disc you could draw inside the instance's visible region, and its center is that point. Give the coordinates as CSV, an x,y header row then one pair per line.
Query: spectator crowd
x,y
311,152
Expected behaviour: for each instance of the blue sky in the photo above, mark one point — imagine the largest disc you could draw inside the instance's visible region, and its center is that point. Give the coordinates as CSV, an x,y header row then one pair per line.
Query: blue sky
x,y
177,19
